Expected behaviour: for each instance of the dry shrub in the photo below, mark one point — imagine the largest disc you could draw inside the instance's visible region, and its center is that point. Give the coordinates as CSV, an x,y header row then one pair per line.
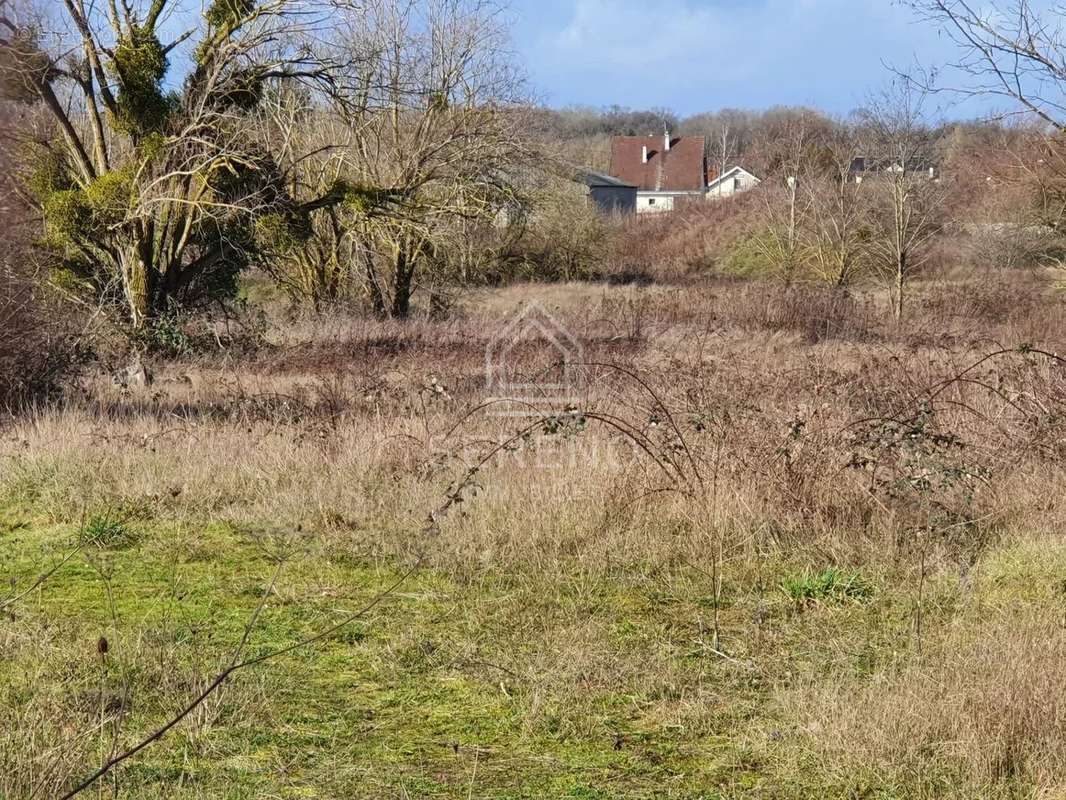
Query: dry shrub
x,y
1004,226
816,313
566,238
1011,245
1011,310
689,239
36,351
986,711
990,302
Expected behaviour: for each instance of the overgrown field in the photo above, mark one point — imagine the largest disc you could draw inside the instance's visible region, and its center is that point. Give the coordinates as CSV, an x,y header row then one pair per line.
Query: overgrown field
x,y
781,547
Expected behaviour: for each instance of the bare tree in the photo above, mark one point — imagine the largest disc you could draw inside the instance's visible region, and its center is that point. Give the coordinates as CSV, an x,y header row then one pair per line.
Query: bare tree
x,y
722,149
35,345
899,151
1009,49
443,143
309,247
783,139
838,233
787,204
1012,50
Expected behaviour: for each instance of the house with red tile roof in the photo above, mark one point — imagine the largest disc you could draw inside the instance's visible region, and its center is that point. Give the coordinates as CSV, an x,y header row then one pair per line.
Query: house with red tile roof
x,y
666,170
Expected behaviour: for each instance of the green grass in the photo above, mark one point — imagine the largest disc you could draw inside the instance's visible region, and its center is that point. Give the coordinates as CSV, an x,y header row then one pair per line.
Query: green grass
x,y
105,532
495,685
828,585
416,698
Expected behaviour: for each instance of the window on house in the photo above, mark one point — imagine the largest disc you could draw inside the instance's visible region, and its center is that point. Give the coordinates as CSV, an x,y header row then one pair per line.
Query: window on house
x,y
651,201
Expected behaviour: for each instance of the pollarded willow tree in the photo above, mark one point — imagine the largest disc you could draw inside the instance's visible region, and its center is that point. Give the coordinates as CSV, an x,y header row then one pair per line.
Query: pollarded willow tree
x,y
149,186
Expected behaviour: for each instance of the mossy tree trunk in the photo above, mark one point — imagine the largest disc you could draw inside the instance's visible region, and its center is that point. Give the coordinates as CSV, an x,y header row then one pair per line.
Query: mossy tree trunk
x,y
150,198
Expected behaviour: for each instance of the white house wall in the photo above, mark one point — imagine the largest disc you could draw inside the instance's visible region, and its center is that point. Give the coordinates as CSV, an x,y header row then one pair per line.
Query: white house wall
x,y
654,202
658,202
735,184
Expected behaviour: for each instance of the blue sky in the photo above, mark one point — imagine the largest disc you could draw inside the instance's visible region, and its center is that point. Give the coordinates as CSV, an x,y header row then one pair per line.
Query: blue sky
x,y
696,55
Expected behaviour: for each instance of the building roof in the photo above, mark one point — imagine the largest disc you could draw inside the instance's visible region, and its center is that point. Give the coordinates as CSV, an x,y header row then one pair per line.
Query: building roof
x,y
677,169
598,179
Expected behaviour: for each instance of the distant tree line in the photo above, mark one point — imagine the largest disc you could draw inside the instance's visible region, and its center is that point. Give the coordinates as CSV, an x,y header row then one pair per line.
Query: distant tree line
x,y
380,153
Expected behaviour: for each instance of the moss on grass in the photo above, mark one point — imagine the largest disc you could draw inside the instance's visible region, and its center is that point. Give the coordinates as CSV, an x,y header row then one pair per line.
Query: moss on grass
x,y
564,685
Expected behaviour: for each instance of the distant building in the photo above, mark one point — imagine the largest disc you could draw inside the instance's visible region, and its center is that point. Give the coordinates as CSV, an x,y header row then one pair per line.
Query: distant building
x,y
609,194
861,167
733,181
666,170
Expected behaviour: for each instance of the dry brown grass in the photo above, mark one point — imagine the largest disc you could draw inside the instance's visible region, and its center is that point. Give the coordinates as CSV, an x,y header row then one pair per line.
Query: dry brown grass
x,y
978,714
772,391
767,432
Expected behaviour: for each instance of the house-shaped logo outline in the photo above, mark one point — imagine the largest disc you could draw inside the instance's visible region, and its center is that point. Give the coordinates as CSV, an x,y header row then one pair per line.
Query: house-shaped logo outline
x,y
532,323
